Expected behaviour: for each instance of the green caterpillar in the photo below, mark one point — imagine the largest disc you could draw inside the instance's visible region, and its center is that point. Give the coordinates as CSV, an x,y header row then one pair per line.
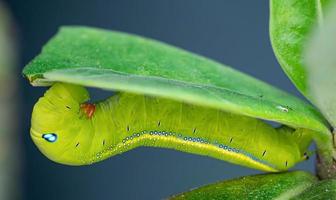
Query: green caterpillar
x,y
68,130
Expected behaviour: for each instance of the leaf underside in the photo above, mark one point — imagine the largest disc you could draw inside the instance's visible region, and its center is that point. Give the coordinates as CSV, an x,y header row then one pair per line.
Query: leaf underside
x,y
119,61
261,187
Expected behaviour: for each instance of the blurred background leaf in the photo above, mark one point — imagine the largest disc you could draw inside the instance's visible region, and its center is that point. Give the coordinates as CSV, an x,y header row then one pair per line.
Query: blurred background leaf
x,y
9,156
321,61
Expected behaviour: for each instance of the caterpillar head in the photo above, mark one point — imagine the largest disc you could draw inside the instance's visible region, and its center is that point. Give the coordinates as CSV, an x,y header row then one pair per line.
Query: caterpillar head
x,y
56,121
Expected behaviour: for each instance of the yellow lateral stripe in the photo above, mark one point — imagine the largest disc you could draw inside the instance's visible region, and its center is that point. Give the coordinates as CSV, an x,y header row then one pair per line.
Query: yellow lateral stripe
x,y
175,143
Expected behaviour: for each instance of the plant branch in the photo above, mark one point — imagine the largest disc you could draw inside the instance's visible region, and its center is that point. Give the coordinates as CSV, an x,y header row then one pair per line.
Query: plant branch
x,y
326,156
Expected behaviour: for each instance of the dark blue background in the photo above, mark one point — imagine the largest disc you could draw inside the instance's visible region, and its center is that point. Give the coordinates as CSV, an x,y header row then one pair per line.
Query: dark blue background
x,y
232,32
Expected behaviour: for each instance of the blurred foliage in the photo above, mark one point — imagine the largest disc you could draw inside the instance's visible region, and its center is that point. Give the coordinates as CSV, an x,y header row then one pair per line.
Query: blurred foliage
x,y
321,61
7,47
9,188
321,69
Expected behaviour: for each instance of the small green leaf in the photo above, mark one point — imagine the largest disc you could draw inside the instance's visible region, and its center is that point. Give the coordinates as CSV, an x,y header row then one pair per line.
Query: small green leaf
x,y
290,24
321,62
259,187
323,190
119,61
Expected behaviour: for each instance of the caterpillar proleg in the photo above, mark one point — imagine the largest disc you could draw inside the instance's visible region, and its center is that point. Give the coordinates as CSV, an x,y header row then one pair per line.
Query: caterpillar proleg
x,y
70,131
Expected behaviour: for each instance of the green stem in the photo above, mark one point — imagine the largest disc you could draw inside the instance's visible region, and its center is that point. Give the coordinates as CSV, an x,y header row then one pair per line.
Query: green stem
x,y
326,156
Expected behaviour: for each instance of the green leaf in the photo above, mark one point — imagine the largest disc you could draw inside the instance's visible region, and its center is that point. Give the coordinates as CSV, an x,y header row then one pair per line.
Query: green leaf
x,y
119,61
323,190
290,24
321,62
259,187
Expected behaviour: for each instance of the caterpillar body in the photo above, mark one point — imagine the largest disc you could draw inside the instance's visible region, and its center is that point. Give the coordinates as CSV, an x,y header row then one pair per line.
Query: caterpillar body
x,y
70,131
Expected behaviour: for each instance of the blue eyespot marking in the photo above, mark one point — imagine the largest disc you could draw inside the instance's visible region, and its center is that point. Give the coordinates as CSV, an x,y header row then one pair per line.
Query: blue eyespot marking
x,y
50,137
